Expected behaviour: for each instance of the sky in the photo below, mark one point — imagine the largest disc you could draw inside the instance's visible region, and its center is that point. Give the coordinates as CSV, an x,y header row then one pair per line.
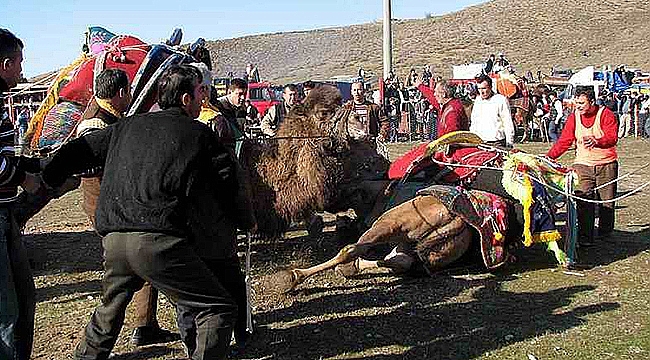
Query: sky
x,y
53,31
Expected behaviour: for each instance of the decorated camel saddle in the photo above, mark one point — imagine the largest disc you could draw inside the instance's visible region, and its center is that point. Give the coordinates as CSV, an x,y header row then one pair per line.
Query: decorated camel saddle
x,y
457,159
72,90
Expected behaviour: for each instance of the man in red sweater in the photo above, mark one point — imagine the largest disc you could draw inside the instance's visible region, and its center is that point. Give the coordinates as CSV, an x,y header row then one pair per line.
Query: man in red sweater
x,y
595,131
451,114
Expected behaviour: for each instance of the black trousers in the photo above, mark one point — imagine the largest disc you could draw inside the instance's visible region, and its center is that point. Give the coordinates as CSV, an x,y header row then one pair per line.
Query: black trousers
x,y
171,265
229,274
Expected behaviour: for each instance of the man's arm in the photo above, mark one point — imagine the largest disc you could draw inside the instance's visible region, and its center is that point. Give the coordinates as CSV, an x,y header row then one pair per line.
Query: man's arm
x,y
77,156
428,93
609,126
566,138
267,122
508,125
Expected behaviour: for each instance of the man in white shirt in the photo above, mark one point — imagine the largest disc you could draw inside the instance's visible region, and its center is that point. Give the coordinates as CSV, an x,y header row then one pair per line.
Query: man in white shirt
x,y
491,118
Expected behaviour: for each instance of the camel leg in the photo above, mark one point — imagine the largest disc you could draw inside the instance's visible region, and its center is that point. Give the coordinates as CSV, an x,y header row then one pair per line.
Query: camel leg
x,y
399,261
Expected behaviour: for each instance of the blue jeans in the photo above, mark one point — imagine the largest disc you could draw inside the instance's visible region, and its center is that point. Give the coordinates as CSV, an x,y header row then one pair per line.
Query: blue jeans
x,y
17,292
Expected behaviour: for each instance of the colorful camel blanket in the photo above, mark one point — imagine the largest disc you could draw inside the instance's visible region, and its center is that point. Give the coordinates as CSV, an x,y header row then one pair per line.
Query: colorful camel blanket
x,y
532,181
485,212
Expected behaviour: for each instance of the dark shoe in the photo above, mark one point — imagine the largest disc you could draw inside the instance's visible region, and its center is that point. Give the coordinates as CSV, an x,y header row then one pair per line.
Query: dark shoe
x,y
148,335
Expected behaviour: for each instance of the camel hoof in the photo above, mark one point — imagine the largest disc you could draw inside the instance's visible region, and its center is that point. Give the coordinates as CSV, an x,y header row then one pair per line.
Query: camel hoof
x,y
286,280
348,269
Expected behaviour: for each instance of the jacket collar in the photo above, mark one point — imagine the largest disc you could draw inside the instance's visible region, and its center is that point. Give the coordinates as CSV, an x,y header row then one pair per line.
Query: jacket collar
x,y
3,85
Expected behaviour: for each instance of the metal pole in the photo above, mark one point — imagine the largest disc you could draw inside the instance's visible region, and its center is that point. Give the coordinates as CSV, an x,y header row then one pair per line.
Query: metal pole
x,y
388,40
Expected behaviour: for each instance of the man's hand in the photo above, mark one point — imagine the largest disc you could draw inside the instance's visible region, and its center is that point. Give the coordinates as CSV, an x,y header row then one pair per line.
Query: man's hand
x,y
590,142
32,183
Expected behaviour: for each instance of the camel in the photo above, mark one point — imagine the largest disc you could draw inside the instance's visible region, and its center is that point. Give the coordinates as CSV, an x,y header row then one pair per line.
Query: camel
x,y
312,165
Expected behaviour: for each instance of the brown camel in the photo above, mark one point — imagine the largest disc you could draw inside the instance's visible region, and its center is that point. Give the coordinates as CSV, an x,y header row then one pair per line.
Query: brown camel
x,y
312,165
423,228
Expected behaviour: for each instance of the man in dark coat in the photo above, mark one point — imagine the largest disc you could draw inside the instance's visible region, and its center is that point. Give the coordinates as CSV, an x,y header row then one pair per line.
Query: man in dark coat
x,y
157,167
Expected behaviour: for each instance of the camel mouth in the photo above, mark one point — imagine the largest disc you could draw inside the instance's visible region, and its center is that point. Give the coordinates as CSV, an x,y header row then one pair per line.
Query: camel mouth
x,y
285,281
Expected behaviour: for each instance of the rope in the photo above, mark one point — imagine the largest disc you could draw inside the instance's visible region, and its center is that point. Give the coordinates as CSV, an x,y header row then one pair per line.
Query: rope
x,y
483,167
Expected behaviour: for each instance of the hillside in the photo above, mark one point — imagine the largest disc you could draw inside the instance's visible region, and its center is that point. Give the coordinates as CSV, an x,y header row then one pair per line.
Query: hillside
x,y
534,34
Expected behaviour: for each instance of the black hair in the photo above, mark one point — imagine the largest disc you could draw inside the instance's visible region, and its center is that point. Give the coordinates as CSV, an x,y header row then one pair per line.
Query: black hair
x,y
482,78
290,87
238,83
308,84
10,45
175,82
587,91
109,82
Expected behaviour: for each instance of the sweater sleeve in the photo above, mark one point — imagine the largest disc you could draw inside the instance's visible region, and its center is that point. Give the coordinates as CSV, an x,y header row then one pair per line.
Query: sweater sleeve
x,y
428,93
77,156
566,138
610,129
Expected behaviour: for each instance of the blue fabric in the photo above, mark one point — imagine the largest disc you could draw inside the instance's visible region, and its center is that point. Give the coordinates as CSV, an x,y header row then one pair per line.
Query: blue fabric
x,y
553,131
542,211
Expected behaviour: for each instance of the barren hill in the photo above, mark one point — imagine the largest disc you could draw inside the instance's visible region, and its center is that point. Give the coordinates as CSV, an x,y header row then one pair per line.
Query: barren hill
x,y
534,34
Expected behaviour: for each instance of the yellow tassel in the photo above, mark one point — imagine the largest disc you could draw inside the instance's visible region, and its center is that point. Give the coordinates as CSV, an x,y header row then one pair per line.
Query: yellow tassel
x,y
498,236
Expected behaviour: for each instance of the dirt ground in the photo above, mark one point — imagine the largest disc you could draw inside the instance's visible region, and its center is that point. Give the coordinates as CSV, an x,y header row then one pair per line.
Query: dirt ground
x,y
530,309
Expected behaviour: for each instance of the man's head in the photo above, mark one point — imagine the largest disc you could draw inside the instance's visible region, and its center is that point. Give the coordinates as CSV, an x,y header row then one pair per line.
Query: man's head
x,y
443,92
237,91
113,85
180,86
358,92
307,86
11,58
492,56
585,99
290,95
552,95
206,78
484,87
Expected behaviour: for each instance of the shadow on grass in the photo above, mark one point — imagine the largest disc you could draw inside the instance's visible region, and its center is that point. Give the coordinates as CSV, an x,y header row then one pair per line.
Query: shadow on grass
x,y
151,352
64,252
416,320
88,287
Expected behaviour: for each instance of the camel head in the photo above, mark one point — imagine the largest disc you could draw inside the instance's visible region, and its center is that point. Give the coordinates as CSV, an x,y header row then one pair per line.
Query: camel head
x,y
302,170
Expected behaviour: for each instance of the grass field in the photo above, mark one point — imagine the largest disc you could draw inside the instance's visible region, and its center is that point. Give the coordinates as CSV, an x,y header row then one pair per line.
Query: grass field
x,y
529,309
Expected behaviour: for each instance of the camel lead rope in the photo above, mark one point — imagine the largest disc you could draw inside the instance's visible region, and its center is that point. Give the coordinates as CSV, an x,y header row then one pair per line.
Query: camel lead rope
x,y
247,281
571,221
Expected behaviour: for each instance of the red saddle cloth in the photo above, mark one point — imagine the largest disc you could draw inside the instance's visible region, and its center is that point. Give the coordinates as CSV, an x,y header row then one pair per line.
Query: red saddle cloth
x,y
122,52
466,158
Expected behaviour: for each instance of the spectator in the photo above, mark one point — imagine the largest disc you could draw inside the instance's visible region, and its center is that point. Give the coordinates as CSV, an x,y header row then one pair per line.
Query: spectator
x,y
593,129
555,117
491,118
232,115
370,119
252,115
275,114
412,79
427,75
489,65
23,123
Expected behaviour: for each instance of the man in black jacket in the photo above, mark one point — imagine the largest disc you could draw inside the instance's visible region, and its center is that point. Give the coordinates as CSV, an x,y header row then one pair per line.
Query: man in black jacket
x,y
157,167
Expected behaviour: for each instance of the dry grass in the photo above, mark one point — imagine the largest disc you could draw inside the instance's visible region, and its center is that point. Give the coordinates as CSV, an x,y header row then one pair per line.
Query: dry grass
x,y
529,307
535,35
